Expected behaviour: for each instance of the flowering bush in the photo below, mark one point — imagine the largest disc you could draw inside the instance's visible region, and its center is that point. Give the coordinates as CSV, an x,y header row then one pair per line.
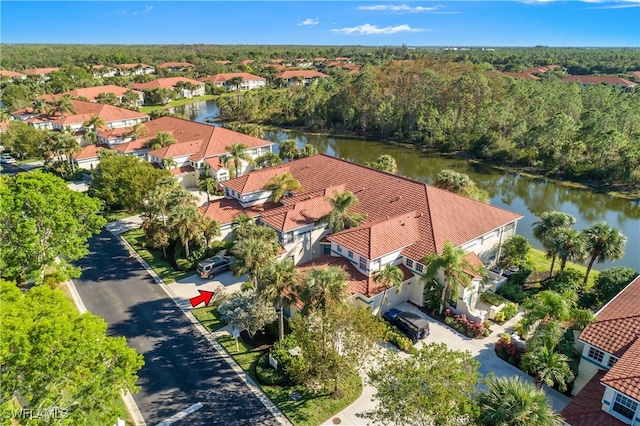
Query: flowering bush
x,y
508,350
463,324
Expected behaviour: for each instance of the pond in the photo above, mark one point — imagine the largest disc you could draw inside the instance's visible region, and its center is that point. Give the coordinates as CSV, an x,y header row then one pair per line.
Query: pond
x,y
511,191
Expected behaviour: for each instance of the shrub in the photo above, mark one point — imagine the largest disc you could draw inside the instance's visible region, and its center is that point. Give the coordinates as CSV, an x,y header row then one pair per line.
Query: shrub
x,y
508,351
509,311
492,298
294,367
268,375
500,317
520,278
395,336
513,292
463,325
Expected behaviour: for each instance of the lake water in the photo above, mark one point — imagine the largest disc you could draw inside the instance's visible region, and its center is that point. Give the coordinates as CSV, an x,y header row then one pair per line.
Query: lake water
x,y
529,197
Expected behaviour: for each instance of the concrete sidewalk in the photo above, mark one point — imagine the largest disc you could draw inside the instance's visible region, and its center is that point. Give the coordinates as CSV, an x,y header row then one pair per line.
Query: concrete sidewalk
x,y
481,349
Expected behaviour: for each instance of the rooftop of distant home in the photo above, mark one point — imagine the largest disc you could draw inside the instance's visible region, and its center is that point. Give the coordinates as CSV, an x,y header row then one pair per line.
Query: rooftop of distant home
x,y
164,83
221,78
598,79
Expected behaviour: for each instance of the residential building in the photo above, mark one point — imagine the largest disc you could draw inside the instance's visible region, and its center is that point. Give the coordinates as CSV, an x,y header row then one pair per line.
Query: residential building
x,y
248,82
103,71
43,73
300,76
587,80
607,388
135,69
91,93
176,66
12,75
524,75
405,220
542,69
172,83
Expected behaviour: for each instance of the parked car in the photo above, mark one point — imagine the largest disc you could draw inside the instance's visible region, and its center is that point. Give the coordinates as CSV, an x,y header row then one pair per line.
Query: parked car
x,y
413,325
211,266
7,159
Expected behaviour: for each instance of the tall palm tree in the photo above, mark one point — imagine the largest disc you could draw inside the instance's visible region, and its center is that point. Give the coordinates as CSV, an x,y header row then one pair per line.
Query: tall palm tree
x,y
279,185
161,140
159,199
238,153
209,185
252,257
454,267
569,245
277,287
546,305
210,229
94,122
308,150
186,224
322,287
338,218
63,105
138,131
241,224
512,401
385,163
548,367
169,163
289,150
603,243
543,230
268,159
391,277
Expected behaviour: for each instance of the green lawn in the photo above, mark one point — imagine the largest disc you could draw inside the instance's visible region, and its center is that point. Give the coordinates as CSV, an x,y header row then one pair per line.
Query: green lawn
x,y
179,102
541,263
313,408
112,215
135,237
209,317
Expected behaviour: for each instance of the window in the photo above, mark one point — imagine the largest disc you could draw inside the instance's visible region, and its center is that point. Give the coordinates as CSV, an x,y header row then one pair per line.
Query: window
x,y
612,361
339,249
363,263
624,406
350,254
596,354
419,267
409,263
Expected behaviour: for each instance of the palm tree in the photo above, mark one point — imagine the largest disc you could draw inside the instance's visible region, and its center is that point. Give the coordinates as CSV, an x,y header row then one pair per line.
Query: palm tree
x,y
268,159
254,252
453,181
338,218
279,185
568,245
455,268
209,185
159,198
289,149
186,224
161,140
543,229
169,163
390,276
238,153
241,224
385,163
512,401
544,306
210,229
308,150
94,122
603,243
63,105
138,131
548,367
277,287
322,287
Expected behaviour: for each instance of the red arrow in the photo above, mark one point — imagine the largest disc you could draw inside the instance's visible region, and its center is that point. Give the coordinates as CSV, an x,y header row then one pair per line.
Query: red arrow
x,y
205,296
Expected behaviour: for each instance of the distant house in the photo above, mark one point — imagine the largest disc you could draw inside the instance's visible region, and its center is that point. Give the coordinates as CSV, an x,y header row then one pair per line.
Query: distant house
x,y
300,76
524,75
43,73
635,74
172,83
405,220
247,62
607,388
176,66
92,93
249,81
587,80
223,62
12,75
103,71
134,69
542,69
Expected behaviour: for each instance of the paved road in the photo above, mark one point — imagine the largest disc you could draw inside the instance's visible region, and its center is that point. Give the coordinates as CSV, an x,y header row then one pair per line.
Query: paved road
x,y
181,368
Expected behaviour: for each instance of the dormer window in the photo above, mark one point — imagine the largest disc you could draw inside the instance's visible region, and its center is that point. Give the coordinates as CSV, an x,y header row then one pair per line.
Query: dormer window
x,y
350,254
419,267
363,263
596,354
409,263
339,248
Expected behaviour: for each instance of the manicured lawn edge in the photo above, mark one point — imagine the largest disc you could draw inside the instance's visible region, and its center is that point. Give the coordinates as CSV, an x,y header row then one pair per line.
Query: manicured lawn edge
x,y
179,102
541,263
209,317
311,409
154,259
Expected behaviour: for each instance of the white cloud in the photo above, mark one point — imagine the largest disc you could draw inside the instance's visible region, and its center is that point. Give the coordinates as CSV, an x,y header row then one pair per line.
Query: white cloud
x,y
309,21
400,8
368,29
148,8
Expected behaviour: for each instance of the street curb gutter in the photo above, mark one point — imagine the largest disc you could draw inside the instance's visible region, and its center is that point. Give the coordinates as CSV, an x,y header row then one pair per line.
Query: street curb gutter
x,y
280,417
127,398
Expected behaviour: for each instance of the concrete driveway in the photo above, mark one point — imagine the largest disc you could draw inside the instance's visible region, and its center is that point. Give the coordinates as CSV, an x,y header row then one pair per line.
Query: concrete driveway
x,y
188,287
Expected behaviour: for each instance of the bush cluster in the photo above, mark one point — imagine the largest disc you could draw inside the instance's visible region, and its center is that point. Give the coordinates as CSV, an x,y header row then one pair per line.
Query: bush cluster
x,y
508,350
512,292
492,298
463,325
507,312
268,375
395,336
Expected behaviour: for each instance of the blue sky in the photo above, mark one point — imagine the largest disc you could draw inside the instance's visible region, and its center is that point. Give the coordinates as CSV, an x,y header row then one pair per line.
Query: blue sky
x,y
440,23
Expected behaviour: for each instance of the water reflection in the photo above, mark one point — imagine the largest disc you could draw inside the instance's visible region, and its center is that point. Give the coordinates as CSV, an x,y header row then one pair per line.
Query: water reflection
x,y
512,191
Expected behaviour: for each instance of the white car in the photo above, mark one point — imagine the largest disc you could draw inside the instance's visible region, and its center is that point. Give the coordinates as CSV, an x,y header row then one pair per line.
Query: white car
x,y
7,159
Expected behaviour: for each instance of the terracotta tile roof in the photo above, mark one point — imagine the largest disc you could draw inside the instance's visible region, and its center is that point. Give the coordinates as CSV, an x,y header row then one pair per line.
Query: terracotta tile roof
x,y
319,59
476,262
175,65
166,83
181,170
89,151
525,75
221,78
214,139
92,93
356,282
84,111
4,126
247,61
11,74
225,210
379,238
296,215
354,72
178,149
130,66
40,71
597,79
48,97
634,74
115,133
132,146
624,376
215,163
342,58
585,408
618,322
442,215
542,69
302,73
276,61
223,62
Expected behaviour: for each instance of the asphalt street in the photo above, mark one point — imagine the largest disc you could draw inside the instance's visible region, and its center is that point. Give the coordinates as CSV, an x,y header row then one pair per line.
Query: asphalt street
x,y
181,368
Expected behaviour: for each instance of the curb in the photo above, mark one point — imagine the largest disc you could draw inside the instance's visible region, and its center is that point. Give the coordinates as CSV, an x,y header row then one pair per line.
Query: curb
x,y
186,310
127,398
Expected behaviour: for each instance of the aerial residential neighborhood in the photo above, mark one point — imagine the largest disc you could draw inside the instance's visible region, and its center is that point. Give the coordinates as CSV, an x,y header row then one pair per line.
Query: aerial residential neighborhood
x,y
303,213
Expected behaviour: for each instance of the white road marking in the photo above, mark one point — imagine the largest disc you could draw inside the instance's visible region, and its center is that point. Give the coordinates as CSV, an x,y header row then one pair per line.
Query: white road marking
x,y
181,415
